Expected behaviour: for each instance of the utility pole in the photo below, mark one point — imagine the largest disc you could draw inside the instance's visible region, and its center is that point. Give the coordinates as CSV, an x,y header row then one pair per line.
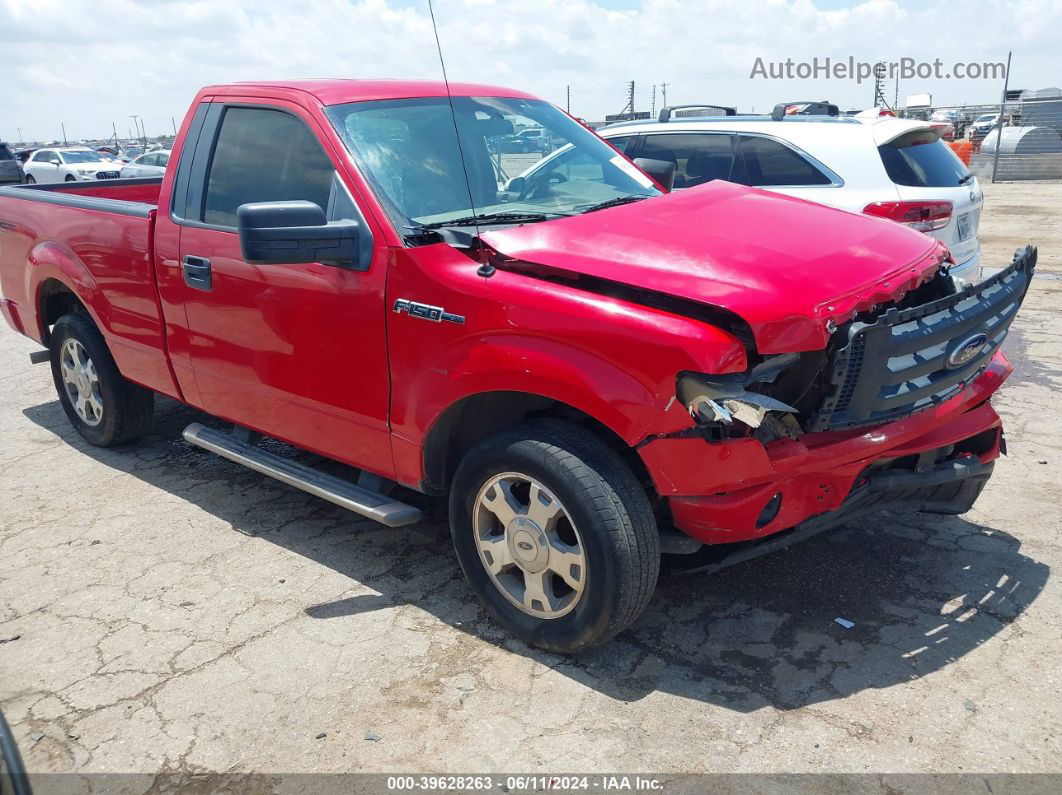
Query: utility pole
x,y
136,118
174,123
652,106
117,147
663,91
568,100
630,102
879,85
999,124
64,132
20,141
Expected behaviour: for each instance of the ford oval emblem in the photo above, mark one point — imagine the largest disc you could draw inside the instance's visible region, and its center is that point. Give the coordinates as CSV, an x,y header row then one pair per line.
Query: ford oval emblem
x,y
967,350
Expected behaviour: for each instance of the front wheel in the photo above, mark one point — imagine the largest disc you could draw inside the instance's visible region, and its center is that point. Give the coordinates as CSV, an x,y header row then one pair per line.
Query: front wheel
x,y
30,180
70,178
555,535
103,406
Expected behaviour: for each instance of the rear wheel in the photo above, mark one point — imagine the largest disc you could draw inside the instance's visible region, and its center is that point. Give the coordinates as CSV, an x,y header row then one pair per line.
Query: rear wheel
x,y
103,406
555,534
30,180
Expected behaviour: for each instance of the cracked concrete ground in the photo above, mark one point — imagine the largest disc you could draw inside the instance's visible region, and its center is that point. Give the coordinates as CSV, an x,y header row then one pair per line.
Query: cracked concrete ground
x,y
163,609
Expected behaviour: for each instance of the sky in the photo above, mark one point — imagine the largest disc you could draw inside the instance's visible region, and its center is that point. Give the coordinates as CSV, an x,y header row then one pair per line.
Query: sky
x,y
90,63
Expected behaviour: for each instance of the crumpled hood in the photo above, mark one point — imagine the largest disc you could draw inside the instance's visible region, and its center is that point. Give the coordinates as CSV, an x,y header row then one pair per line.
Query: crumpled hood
x,y
784,265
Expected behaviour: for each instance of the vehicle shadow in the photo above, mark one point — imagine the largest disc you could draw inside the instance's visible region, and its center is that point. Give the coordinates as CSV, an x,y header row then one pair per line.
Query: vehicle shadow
x,y
921,590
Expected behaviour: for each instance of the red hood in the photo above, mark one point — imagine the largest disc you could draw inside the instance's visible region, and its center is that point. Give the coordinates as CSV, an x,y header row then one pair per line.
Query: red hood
x,y
784,265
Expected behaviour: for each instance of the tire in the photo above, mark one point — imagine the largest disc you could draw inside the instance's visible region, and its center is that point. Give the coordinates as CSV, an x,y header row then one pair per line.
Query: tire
x,y
525,149
113,410
604,514
30,180
70,178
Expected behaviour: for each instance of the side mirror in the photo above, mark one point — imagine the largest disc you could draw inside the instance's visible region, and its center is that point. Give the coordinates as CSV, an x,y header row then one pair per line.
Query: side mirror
x,y
55,161
293,232
663,171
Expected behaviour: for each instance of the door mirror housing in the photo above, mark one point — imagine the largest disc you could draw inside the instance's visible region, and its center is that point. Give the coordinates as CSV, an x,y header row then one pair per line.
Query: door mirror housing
x,y
663,171
294,232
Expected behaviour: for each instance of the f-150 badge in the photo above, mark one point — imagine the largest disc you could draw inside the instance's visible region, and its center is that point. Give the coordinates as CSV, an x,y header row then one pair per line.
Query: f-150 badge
x,y
434,313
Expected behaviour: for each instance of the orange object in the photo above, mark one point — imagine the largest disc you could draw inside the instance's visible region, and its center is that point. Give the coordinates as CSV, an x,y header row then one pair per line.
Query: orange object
x,y
962,148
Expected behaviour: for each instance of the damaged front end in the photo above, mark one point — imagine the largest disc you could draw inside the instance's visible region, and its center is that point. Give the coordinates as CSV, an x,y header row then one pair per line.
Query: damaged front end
x,y
894,360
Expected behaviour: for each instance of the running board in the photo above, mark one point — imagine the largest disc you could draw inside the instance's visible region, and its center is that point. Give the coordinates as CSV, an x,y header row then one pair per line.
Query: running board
x,y
363,502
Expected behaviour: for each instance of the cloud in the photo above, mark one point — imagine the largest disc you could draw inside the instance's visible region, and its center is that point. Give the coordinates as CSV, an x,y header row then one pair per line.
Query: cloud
x,y
89,63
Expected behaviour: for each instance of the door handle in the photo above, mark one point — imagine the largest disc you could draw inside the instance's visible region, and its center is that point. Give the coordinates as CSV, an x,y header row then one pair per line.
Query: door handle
x,y
197,272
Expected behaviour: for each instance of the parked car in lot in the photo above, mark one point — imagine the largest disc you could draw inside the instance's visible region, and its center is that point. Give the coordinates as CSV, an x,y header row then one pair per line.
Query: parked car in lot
x,y
983,125
953,120
69,164
10,167
591,369
531,140
883,166
153,164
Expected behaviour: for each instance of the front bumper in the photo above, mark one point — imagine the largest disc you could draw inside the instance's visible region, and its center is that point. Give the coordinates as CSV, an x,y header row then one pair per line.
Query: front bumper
x,y
740,490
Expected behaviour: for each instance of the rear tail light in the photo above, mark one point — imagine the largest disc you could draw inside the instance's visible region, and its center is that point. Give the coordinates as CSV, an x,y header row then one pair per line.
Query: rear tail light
x,y
923,216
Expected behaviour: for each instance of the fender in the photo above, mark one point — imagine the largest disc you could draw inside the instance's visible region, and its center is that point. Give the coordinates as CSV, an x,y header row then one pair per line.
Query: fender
x,y
139,360
534,366
51,260
608,357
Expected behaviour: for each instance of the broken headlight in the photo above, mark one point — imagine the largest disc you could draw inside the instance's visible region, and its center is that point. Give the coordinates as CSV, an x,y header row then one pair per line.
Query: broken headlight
x,y
711,400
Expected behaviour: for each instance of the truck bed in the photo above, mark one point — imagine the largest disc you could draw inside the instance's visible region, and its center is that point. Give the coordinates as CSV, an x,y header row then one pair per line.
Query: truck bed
x,y
125,196
97,240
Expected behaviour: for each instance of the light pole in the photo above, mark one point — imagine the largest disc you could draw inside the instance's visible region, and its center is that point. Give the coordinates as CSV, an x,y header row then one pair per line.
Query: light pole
x,y
136,126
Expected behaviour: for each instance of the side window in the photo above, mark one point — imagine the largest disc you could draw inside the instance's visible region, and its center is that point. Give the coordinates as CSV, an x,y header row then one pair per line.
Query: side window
x,y
264,155
620,142
162,159
42,156
765,162
698,157
146,160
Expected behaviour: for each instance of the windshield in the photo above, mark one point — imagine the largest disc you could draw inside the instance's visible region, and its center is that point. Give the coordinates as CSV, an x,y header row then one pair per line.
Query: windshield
x,y
408,151
81,157
987,117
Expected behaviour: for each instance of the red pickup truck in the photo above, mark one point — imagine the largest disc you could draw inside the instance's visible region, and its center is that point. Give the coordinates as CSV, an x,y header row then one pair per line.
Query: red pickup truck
x,y
594,369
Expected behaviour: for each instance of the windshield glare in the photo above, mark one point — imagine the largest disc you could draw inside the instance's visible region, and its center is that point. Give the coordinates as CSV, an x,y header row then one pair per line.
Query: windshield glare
x,y
523,156
81,157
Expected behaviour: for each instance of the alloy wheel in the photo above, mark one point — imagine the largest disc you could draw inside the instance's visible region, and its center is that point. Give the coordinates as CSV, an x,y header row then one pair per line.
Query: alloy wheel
x,y
81,381
529,545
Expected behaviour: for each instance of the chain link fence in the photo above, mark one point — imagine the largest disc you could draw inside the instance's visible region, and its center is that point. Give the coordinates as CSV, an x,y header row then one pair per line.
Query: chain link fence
x,y
1025,145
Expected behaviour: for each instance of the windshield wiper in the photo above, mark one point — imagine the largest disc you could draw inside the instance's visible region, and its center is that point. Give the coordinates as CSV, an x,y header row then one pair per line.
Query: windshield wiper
x,y
491,218
614,202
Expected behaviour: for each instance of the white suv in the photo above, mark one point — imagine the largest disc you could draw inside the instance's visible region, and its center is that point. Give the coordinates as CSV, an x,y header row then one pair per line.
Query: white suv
x,y
883,166
69,164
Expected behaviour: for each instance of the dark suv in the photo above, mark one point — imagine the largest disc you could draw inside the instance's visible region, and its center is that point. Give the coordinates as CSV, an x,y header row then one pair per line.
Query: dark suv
x,y
10,168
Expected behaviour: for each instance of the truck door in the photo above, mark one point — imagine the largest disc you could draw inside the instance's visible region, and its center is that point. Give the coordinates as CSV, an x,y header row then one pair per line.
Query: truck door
x,y
295,351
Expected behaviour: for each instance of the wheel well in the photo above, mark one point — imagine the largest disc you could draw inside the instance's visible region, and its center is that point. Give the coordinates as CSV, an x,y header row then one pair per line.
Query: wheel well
x,y
475,417
56,300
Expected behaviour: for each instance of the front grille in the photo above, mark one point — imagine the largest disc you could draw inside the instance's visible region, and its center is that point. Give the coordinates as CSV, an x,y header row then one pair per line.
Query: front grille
x,y
912,359
107,174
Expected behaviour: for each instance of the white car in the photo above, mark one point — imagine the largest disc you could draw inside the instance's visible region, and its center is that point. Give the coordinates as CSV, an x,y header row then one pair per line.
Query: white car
x,y
884,166
69,164
153,164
